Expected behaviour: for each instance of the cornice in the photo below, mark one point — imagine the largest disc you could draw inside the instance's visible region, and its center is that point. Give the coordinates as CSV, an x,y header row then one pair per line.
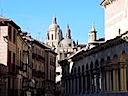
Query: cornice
x,y
108,44
104,3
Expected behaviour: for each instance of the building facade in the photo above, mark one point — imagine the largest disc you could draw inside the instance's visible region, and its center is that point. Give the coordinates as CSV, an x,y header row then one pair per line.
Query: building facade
x,y
116,20
8,40
43,66
101,70
27,66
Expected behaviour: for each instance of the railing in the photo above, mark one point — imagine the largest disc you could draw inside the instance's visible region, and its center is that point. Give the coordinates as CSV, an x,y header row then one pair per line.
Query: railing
x,y
38,73
13,69
38,57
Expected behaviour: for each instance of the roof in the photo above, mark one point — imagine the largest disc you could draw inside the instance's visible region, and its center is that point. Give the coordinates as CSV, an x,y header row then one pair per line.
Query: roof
x,y
67,42
104,3
8,20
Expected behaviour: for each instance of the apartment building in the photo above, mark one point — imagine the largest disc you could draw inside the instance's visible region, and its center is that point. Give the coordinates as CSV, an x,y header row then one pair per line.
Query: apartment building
x,y
43,64
8,41
23,63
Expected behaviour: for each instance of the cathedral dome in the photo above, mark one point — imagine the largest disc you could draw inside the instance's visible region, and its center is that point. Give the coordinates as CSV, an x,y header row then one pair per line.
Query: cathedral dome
x,y
67,42
54,24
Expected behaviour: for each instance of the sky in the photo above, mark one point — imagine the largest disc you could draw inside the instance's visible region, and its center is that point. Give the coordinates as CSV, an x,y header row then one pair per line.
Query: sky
x,y
35,16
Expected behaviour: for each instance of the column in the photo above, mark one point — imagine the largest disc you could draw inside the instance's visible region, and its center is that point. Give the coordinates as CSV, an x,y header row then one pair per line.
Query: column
x,y
77,85
65,87
123,79
102,81
85,90
107,81
82,84
114,82
71,85
97,83
74,86
68,86
90,82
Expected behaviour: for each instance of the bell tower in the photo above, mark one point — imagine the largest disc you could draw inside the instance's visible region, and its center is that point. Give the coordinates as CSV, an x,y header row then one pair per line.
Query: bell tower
x,y
54,34
92,34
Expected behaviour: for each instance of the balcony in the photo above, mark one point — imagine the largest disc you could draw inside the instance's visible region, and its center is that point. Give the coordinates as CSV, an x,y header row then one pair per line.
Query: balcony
x,y
13,69
38,57
38,74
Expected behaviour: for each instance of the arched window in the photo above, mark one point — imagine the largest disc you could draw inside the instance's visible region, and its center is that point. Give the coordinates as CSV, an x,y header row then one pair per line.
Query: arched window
x,y
52,36
48,36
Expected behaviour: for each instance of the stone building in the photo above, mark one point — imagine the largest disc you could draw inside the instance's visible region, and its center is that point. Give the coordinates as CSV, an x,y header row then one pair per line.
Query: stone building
x,y
24,67
43,66
101,70
8,56
116,17
27,66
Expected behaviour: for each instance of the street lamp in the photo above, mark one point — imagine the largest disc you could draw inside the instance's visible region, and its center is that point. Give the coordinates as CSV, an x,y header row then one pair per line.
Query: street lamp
x,y
32,85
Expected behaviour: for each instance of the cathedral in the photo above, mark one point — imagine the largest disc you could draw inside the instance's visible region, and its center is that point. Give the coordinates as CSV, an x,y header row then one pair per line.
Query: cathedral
x,y
61,45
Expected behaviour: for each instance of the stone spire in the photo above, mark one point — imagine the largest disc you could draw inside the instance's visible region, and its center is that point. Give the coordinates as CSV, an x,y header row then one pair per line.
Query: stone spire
x,y
68,32
93,28
54,20
92,34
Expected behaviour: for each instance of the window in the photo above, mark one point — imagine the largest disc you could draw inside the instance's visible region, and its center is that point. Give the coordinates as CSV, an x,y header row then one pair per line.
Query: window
x,y
9,57
14,35
52,36
10,32
33,48
50,74
42,54
48,36
13,58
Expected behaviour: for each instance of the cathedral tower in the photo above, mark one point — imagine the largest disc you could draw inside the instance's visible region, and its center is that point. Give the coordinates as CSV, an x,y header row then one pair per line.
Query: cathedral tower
x,y
54,34
92,34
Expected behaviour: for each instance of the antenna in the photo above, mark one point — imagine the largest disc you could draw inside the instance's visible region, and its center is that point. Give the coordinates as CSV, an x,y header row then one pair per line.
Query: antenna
x,y
39,35
1,9
29,33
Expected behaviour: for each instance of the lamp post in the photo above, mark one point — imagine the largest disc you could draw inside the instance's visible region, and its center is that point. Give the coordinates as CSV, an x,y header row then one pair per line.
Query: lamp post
x,y
32,86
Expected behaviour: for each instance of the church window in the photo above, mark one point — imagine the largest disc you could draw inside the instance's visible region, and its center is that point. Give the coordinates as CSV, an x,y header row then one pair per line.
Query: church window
x,y
70,44
52,36
48,36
